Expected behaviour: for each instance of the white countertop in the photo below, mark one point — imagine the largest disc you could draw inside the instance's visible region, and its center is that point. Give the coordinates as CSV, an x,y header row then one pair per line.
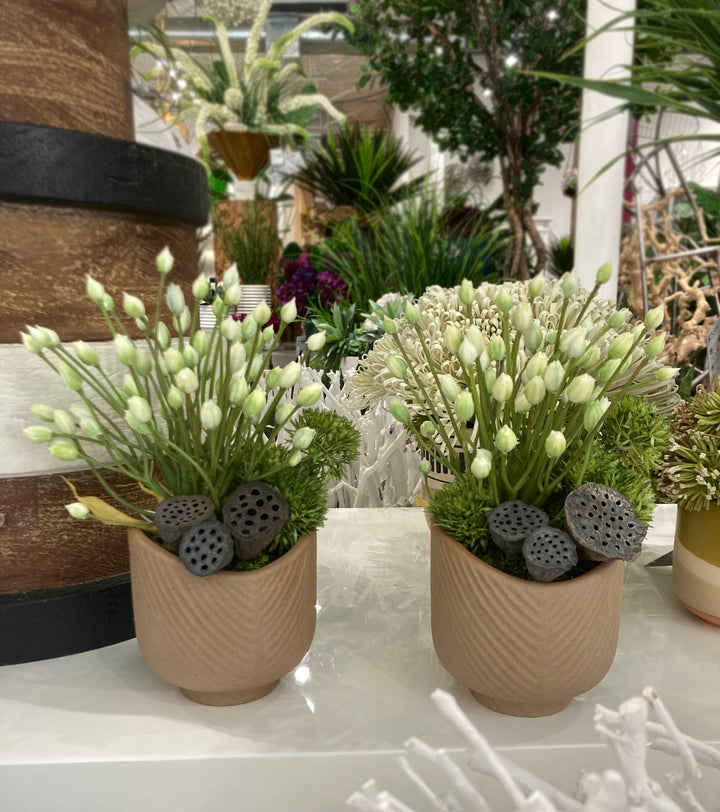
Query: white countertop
x,y
98,731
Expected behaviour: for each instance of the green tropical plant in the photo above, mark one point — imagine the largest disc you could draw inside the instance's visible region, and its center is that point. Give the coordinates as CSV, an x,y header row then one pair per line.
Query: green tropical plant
x,y
252,246
458,65
358,168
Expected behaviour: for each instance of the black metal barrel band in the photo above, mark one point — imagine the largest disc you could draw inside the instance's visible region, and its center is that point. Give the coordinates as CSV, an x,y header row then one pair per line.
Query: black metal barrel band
x,y
57,166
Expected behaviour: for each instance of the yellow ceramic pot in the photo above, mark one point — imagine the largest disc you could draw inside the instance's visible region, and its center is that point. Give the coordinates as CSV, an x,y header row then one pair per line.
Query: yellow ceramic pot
x,y
696,561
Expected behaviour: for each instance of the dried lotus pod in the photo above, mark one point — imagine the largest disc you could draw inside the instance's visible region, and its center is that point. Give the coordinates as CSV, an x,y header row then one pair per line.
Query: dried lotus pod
x,y
510,523
549,553
254,515
603,523
206,548
175,515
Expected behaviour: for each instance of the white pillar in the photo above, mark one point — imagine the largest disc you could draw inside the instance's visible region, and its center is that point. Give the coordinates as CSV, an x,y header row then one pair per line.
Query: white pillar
x,y
599,205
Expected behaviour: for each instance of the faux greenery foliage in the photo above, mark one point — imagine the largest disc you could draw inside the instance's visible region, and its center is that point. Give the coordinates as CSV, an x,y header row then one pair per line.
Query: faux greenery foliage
x,y
461,66
336,442
253,245
358,168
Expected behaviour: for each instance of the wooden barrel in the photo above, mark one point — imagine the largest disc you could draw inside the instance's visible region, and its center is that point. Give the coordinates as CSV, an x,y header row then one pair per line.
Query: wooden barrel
x,y
76,196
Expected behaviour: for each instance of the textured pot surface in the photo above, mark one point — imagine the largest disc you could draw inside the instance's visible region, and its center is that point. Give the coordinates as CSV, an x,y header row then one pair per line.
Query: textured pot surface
x,y
696,562
522,648
227,638
245,153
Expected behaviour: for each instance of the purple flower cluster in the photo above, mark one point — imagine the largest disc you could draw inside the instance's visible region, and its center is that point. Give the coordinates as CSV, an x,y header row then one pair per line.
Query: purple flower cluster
x,y
308,285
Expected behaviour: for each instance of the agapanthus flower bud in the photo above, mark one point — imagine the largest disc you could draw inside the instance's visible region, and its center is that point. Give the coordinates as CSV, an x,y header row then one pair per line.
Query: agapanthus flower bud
x,y
618,318
238,357
175,299
64,421
309,395
533,338
536,285
64,450
94,289
503,300
303,437
125,350
448,386
86,353
77,510
164,261
608,369
218,308
399,411
475,336
133,306
604,273
70,377
284,412
555,444
261,313
591,357
31,344
162,336
502,388
137,425
200,342
210,415
522,404
44,336
254,404
200,287
230,328
569,284
521,316
484,360
257,362
581,388
464,406
183,321
268,334
140,409
573,342
43,412
129,386
535,390
175,397
466,292
272,378
316,341
427,429
90,428
238,389
467,352
554,376
249,327
481,466
288,312
187,381
620,346
38,434
295,458
655,317
535,366
190,356
424,467
490,378
505,439
231,276
107,303
594,412
496,348
656,345
452,338
174,360
290,375
397,367
638,331
233,296
411,313
666,373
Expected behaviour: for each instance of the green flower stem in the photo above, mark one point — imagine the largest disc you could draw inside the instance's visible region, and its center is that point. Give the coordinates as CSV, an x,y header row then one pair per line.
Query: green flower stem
x,y
593,293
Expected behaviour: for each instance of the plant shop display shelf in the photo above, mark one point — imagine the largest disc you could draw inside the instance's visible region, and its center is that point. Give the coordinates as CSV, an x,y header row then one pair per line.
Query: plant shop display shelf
x,y
100,731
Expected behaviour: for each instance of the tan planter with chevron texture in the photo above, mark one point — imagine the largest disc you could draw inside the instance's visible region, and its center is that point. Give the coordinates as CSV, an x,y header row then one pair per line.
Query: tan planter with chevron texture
x,y
522,648
227,638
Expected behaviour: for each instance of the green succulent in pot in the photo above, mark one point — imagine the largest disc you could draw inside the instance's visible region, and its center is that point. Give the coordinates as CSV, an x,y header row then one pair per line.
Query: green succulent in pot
x,y
509,387
197,418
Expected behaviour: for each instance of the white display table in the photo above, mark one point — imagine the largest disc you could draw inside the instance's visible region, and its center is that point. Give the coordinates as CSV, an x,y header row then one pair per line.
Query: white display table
x,y
98,732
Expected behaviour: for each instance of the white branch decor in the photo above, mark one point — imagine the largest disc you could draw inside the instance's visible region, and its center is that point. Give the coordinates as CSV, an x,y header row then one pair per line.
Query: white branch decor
x,y
628,734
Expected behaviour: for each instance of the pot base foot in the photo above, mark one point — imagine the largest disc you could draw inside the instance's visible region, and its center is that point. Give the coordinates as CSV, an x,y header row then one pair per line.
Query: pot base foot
x,y
239,697
511,708
713,620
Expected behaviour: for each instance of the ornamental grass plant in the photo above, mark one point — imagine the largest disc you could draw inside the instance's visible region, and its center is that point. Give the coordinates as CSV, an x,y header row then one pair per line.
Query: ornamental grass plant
x,y
196,414
514,388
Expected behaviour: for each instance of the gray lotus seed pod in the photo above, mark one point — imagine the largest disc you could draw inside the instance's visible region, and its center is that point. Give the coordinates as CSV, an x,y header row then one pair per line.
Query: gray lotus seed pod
x,y
510,523
175,515
254,515
603,523
206,548
549,553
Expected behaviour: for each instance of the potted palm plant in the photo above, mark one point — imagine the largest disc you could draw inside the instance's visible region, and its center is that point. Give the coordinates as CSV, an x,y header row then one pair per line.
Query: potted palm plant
x,y
691,477
223,565
510,388
250,108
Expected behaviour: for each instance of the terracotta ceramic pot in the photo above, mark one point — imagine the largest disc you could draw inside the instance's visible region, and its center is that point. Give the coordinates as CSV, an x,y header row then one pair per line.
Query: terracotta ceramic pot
x,y
227,638
244,152
696,561
522,648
